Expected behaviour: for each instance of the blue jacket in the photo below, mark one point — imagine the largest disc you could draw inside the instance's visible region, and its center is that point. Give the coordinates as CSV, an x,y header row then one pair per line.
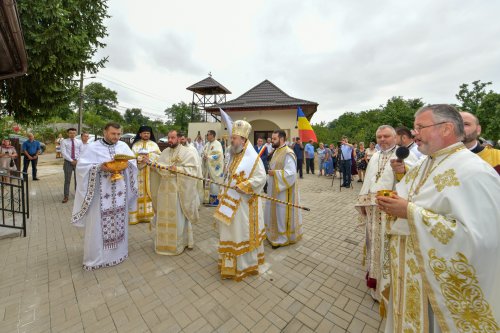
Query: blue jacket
x,y
264,155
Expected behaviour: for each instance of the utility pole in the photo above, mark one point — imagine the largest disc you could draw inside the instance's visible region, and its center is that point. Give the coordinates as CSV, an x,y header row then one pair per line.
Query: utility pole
x,y
80,108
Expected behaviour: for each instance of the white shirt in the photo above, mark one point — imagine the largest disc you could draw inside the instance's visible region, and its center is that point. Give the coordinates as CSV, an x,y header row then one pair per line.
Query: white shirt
x,y
66,149
269,147
414,149
83,146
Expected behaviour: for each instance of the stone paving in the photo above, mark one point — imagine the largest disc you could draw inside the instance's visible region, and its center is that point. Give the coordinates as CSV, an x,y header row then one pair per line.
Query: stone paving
x,y
316,285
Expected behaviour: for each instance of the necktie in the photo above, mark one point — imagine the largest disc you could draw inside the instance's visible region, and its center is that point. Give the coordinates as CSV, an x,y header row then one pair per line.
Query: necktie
x,y
72,149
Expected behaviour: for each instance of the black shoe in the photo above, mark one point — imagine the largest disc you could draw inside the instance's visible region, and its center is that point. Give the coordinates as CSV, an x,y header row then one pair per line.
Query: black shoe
x,y
360,181
36,178
275,247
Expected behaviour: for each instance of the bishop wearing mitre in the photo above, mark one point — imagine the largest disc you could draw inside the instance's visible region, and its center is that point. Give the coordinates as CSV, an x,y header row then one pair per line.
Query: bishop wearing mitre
x,y
241,227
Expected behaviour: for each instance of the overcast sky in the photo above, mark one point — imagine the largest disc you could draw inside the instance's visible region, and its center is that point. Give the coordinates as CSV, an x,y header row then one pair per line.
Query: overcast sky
x,y
344,55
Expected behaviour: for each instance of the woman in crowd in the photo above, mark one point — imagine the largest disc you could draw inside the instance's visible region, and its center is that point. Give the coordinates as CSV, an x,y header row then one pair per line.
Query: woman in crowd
x,y
361,161
321,159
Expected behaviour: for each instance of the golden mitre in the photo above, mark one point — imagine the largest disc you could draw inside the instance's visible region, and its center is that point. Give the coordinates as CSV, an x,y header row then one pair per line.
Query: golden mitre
x,y
241,128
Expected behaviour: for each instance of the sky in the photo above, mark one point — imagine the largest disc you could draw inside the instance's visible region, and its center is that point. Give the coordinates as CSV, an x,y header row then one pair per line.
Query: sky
x,y
348,56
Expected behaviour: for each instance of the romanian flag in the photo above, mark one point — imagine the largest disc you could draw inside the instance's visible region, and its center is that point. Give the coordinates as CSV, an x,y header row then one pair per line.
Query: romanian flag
x,y
306,132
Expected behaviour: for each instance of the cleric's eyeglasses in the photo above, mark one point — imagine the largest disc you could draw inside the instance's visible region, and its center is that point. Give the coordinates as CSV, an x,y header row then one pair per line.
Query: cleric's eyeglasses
x,y
417,129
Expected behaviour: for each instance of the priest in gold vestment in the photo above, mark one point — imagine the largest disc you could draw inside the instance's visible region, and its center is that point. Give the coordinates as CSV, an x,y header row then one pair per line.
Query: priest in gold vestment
x,y
144,144
175,198
240,215
444,247
283,222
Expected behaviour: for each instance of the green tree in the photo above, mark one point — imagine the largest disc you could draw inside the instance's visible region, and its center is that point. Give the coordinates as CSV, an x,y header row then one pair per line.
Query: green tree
x,y
135,116
102,101
471,98
181,114
94,122
489,116
62,38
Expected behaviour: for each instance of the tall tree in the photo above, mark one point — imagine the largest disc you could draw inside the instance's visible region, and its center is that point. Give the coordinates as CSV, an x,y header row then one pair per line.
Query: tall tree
x,y
62,38
489,116
181,114
102,101
471,98
135,116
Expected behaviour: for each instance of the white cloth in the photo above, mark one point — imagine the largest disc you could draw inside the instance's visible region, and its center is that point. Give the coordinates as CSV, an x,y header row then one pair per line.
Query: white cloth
x,y
241,227
102,206
283,222
66,149
445,257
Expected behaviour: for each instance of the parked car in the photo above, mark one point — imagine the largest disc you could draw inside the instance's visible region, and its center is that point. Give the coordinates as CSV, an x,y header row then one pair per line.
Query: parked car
x,y
22,139
127,138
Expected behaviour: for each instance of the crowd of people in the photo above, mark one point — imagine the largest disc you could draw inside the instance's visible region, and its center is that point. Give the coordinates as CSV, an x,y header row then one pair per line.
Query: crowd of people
x,y
167,188
428,203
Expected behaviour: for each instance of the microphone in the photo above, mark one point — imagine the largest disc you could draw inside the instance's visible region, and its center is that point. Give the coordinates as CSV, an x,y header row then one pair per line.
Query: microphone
x,y
402,153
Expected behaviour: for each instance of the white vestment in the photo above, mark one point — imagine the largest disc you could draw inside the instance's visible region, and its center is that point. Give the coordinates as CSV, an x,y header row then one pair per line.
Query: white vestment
x,y
445,262
175,200
144,212
241,227
283,222
213,168
102,205
379,176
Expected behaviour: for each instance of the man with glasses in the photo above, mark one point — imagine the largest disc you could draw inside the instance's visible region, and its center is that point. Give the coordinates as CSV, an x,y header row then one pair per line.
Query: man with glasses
x,y
444,241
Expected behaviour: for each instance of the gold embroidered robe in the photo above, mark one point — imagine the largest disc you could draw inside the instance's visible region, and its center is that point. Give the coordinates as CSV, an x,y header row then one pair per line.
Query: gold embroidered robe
x,y
445,260
241,227
175,201
283,222
144,212
379,176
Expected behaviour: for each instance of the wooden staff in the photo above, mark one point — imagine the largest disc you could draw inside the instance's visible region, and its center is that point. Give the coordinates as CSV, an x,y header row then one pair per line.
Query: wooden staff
x,y
263,196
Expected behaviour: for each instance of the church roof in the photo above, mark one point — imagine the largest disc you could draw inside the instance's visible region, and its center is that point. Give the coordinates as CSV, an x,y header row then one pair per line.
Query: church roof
x,y
265,95
208,86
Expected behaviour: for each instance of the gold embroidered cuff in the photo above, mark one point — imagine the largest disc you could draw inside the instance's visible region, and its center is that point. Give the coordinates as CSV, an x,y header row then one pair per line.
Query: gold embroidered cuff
x,y
245,187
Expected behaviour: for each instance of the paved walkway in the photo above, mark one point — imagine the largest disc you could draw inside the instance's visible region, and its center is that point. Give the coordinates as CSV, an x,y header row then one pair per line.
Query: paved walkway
x,y
316,285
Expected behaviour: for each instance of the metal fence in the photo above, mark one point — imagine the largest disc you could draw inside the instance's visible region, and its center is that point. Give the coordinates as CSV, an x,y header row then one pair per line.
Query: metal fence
x,y
14,199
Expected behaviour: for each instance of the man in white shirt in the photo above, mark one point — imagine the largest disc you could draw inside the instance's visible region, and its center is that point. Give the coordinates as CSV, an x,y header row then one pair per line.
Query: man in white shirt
x,y
85,141
70,149
269,146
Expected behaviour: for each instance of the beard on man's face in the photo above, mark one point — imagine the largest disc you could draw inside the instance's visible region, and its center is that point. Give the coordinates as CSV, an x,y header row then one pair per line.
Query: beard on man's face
x,y
276,144
172,145
471,137
236,148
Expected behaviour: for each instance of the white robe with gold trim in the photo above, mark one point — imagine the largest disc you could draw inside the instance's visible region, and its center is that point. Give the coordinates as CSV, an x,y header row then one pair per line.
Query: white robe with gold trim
x,y
175,201
144,212
445,262
241,219
213,168
376,239
283,222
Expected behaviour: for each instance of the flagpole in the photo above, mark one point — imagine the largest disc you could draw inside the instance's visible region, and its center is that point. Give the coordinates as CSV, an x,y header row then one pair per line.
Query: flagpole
x,y
164,167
